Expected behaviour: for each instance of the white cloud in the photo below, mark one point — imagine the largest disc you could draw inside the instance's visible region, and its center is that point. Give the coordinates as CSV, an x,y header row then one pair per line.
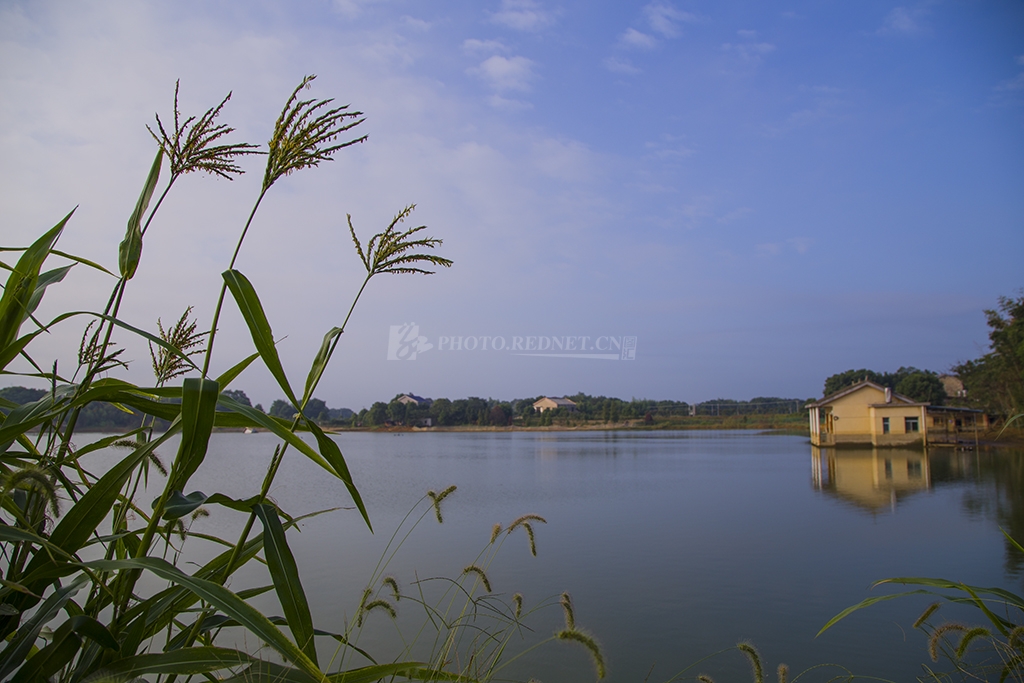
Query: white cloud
x,y
663,18
636,39
416,24
902,21
620,66
748,34
522,15
505,73
749,51
499,102
476,46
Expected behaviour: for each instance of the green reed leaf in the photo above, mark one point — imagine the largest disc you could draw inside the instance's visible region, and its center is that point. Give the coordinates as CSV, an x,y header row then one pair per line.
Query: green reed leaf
x,y
224,600
52,658
130,250
331,452
320,362
259,327
21,284
21,644
198,408
285,574
192,660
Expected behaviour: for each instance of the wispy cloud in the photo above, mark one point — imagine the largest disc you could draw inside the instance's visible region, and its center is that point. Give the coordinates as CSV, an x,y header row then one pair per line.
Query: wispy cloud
x,y
505,73
475,46
1014,83
523,15
621,66
903,21
637,39
668,147
749,51
664,18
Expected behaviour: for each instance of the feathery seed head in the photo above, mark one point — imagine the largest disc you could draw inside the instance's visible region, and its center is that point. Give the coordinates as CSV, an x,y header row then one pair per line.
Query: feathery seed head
x,y
305,133
474,569
533,541
392,583
570,616
191,145
971,634
587,641
525,518
517,599
436,498
495,532
937,636
930,610
35,481
755,660
783,673
382,605
183,339
1016,638
704,678
395,251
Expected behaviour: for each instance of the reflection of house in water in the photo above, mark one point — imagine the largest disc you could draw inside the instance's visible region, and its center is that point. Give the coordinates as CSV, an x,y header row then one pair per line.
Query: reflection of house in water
x,y
870,478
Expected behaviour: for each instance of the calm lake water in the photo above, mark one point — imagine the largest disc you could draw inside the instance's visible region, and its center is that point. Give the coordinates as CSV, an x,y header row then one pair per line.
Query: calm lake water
x,y
673,545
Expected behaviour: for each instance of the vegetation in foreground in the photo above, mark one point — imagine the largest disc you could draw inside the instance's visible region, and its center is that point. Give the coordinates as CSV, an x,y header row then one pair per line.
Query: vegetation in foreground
x,y
75,543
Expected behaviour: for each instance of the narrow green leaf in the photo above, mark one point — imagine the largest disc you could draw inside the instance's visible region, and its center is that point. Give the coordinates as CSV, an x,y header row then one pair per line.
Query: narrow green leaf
x,y
191,660
92,629
263,420
867,602
21,284
130,249
319,363
198,408
224,600
259,327
21,644
332,453
285,574
46,279
229,376
50,659
179,505
83,261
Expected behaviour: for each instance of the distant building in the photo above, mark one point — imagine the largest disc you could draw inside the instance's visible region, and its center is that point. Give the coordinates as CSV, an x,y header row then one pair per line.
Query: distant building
x,y
870,414
548,403
414,400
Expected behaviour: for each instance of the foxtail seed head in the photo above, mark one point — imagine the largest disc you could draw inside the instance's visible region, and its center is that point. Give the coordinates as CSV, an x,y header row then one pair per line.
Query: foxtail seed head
x,y
588,642
392,583
517,599
495,532
35,480
533,541
783,673
524,519
755,660
436,498
930,610
570,617
704,678
976,632
938,634
473,569
1016,638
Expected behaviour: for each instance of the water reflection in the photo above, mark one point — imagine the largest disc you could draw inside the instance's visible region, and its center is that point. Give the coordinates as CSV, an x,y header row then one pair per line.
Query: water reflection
x,y
874,479
880,479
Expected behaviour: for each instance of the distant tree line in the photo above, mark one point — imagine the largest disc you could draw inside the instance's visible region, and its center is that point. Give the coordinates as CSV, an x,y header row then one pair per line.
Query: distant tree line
x,y
919,385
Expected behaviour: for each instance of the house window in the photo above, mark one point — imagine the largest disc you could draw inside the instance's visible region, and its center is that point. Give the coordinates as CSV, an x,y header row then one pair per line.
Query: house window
x,y
914,469
885,425
910,424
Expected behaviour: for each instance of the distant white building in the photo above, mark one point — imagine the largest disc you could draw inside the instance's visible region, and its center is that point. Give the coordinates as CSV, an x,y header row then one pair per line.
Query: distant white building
x,y
548,403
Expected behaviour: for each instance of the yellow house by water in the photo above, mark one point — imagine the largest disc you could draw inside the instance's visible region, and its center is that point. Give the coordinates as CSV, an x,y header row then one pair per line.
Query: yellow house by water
x,y
868,414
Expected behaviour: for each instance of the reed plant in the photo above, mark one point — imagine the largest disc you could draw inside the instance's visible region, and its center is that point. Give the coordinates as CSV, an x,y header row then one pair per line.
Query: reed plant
x,y
959,651
75,543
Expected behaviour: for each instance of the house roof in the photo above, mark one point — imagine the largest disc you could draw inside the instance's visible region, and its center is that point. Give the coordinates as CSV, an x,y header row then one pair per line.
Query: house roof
x,y
904,400
557,401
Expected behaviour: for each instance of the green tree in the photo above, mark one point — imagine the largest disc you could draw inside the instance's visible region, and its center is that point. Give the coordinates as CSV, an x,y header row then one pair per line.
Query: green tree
x,y
238,395
378,414
282,408
922,386
995,382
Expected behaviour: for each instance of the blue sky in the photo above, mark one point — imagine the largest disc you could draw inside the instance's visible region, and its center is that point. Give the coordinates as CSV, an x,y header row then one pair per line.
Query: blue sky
x,y
762,193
